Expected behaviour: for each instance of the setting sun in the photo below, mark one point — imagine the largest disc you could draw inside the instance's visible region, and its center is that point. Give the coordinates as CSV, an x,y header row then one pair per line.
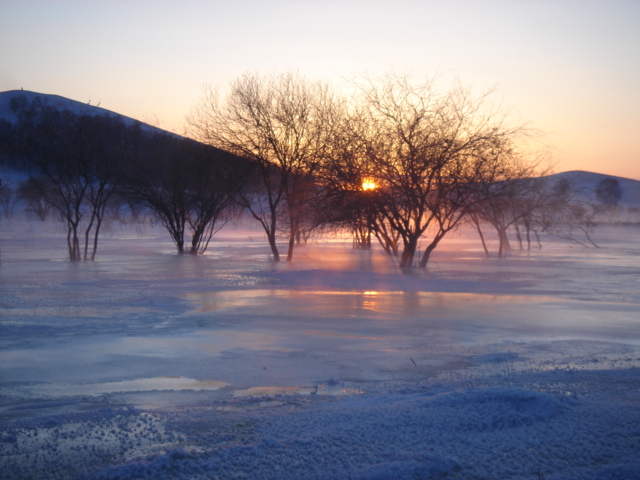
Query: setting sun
x,y
368,184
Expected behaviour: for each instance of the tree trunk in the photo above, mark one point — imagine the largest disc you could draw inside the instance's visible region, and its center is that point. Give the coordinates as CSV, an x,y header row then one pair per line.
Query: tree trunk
x,y
484,243
75,255
193,250
271,232
271,237
178,238
195,241
505,246
431,247
86,236
535,232
586,234
406,259
292,242
427,254
518,235
70,242
175,227
95,239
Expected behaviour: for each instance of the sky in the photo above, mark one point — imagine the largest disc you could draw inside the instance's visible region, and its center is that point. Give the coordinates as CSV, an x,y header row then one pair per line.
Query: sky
x,y
569,68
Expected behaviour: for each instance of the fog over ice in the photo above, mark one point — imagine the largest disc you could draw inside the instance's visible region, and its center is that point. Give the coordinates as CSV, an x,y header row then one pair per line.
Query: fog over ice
x,y
339,365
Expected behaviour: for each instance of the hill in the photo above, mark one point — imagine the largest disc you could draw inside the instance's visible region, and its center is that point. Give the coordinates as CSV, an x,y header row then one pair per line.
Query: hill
x,y
78,108
12,171
588,181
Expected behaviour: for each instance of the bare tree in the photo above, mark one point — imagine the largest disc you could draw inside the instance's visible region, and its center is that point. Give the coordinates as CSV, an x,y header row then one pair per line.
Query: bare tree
x,y
188,186
53,145
7,198
354,198
284,124
608,192
109,143
568,212
428,151
77,160
532,203
31,192
513,198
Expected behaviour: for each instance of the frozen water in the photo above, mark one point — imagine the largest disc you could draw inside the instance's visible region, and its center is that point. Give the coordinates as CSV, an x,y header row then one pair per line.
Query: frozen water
x,y
146,364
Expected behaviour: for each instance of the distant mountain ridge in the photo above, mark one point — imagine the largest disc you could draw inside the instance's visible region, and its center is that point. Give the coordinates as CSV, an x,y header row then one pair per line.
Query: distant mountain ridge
x,y
65,103
589,181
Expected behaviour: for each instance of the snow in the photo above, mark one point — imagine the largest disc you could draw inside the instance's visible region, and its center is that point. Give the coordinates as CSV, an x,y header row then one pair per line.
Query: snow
x,y
77,107
145,364
588,182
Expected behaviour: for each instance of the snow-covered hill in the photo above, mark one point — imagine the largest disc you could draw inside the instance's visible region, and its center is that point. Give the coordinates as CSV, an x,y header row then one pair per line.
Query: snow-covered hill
x,y
63,103
588,181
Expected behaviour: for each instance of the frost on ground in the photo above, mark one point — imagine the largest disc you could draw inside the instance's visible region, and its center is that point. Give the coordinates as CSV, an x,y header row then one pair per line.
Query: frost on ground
x,y
526,426
149,365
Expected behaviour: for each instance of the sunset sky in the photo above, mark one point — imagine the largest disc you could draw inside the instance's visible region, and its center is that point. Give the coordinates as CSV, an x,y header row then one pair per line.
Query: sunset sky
x,y
571,68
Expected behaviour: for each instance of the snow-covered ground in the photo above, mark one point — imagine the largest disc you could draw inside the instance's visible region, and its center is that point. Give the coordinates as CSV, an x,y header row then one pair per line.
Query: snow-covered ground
x,y
146,364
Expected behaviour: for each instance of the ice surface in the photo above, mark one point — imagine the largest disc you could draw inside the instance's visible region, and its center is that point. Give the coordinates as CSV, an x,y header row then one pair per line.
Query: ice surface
x,y
146,364
65,390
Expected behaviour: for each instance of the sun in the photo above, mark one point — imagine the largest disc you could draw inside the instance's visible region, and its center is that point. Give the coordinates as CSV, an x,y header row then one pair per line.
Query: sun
x,y
368,184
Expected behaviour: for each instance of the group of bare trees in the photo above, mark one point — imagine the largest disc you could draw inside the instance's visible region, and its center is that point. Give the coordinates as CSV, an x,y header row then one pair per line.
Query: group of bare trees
x,y
187,185
80,164
530,205
285,125
76,167
402,161
395,160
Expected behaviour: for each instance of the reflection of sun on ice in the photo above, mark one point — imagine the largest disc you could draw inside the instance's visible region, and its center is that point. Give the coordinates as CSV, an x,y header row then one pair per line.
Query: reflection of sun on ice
x,y
368,184
370,300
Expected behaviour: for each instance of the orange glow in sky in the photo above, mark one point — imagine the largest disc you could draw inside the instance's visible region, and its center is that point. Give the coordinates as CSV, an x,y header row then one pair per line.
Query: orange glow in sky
x,y
568,68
